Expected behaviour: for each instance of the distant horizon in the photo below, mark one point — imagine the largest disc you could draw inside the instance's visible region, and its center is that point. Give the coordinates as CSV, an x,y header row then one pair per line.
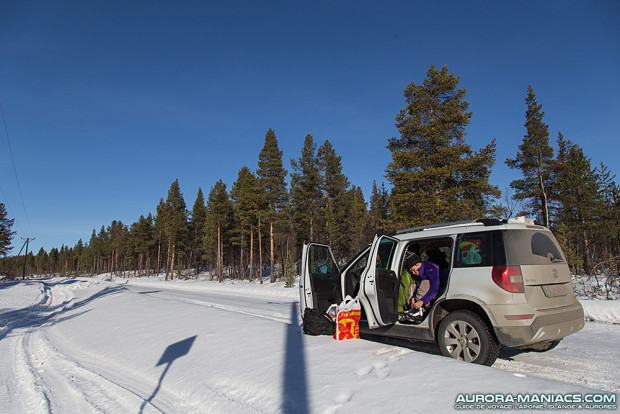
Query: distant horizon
x,y
106,106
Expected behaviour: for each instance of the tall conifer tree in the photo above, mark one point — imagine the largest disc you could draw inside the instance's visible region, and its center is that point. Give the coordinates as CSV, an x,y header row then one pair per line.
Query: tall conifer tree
x,y
175,226
6,232
245,196
306,194
434,172
379,208
578,193
535,160
355,223
142,235
335,206
219,211
272,179
161,218
196,227
610,220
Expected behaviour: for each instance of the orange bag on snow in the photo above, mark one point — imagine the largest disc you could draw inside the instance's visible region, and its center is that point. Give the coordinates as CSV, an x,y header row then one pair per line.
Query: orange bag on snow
x,y
348,319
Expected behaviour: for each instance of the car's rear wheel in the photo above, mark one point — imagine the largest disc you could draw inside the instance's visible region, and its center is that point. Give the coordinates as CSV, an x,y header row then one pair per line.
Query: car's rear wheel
x,y
463,335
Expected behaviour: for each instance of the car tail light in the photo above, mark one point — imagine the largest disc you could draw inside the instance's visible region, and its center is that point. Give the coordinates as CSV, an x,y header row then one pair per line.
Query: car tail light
x,y
508,278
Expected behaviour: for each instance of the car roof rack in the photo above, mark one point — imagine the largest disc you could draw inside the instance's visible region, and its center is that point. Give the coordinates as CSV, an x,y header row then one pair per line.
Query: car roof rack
x,y
484,222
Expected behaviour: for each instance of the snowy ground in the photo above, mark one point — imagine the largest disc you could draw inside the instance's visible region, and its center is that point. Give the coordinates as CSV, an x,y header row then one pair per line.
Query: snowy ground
x,y
142,345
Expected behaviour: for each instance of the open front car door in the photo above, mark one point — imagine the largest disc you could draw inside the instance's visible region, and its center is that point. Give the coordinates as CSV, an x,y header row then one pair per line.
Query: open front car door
x,y
380,283
319,285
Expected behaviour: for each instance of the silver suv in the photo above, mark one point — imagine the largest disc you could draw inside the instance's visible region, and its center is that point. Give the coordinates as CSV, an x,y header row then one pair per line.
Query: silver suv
x,y
502,284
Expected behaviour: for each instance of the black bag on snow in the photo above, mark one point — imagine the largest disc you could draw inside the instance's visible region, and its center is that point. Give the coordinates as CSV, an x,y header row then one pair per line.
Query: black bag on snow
x,y
317,323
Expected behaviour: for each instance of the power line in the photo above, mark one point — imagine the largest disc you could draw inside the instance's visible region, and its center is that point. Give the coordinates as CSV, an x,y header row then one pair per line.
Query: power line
x,y
15,170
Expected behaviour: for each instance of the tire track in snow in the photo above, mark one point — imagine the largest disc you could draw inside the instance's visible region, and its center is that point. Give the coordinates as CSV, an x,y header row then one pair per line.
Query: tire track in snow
x,y
142,387
57,377
209,301
272,316
55,382
570,369
34,398
71,386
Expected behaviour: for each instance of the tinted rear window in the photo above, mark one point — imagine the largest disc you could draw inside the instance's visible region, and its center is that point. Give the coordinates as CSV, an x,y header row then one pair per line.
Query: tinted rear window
x,y
532,247
480,249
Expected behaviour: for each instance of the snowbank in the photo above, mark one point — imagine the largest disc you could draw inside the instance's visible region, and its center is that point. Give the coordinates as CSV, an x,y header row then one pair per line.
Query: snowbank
x,y
606,311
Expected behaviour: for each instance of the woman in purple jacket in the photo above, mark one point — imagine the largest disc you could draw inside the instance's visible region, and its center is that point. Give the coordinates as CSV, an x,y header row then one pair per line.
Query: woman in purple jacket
x,y
427,281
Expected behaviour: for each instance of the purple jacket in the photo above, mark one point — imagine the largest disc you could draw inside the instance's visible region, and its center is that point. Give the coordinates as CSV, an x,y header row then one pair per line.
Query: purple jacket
x,y
428,271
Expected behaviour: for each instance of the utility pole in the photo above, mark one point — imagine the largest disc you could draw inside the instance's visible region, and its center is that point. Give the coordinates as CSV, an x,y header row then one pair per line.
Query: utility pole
x,y
25,257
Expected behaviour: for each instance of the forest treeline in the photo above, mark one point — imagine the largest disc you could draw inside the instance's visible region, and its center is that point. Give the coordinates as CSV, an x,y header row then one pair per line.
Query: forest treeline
x,y
255,227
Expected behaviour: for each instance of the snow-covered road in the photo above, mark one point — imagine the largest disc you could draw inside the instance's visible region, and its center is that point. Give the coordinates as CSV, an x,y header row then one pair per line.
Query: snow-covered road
x,y
276,309
88,345
587,358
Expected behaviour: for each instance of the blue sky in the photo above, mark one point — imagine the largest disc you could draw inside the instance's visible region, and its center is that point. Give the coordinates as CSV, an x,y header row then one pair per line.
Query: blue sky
x,y
107,103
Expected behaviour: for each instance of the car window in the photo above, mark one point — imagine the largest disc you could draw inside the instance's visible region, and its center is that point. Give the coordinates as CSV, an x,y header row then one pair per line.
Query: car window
x,y
320,260
532,247
438,251
474,250
385,253
543,246
360,264
354,273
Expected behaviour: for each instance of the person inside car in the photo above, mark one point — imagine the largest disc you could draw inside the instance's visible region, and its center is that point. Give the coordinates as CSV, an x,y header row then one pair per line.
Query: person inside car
x,y
426,287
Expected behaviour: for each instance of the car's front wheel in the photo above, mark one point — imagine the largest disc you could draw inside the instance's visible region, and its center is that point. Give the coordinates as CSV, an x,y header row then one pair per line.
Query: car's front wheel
x,y
465,336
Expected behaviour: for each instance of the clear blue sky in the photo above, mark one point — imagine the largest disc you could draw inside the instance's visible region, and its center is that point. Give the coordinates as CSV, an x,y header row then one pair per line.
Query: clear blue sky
x,y
106,103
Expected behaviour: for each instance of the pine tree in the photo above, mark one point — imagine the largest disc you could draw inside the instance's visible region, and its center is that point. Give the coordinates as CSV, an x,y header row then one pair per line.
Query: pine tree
x,y
119,234
175,225
609,236
577,190
142,239
53,260
335,207
306,192
379,209
103,240
6,233
94,248
196,227
272,175
245,197
535,160
219,210
80,256
435,175
161,218
289,271
40,262
355,223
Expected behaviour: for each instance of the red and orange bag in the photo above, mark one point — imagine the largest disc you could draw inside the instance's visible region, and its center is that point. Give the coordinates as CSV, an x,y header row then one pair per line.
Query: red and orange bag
x,y
347,319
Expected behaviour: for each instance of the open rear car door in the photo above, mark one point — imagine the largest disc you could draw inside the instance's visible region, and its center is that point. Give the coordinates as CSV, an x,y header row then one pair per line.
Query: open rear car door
x,y
319,285
379,295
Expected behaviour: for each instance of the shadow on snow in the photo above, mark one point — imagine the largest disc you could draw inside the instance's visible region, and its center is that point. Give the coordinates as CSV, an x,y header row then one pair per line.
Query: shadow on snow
x,y
295,387
39,314
171,353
